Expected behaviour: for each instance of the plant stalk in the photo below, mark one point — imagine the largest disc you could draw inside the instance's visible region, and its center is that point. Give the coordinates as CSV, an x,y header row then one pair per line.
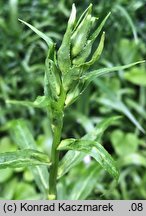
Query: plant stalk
x,y
57,129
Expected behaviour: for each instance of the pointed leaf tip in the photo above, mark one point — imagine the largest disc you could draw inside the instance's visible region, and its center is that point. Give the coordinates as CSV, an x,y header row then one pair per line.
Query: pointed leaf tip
x,y
90,8
39,33
73,15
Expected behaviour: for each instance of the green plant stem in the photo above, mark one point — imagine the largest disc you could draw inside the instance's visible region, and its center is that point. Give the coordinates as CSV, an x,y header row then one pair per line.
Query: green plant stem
x,y
57,129
54,160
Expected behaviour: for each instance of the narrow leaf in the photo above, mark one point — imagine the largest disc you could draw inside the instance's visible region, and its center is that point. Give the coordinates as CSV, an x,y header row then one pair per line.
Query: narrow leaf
x,y
97,73
85,184
98,51
39,33
23,158
24,139
95,150
40,102
128,18
114,102
96,33
72,158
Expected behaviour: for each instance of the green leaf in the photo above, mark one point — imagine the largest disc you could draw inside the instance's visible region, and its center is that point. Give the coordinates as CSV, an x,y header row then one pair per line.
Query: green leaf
x,y
128,18
120,106
95,150
100,128
40,102
25,191
24,139
83,120
5,175
112,101
128,50
136,76
137,107
124,143
98,30
132,159
41,34
98,51
100,72
23,158
85,184
72,158
8,192
64,60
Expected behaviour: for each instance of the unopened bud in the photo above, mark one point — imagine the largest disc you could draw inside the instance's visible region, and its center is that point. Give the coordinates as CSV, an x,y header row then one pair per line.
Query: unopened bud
x,y
79,38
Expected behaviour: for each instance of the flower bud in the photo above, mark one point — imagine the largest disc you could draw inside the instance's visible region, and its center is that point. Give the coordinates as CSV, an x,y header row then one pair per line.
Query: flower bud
x,y
80,36
64,60
72,95
52,79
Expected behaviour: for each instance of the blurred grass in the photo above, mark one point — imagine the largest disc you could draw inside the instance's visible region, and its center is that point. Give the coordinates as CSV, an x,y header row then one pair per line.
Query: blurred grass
x,y
22,56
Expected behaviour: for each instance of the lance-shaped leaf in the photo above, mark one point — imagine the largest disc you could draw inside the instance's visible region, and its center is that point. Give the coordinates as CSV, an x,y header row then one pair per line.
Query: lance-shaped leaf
x,y
98,30
98,51
95,150
51,51
100,72
24,139
72,158
81,58
64,60
40,102
23,158
39,33
85,183
113,101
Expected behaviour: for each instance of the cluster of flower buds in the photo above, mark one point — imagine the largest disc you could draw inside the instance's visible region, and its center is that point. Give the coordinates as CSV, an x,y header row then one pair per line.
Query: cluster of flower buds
x,y
74,57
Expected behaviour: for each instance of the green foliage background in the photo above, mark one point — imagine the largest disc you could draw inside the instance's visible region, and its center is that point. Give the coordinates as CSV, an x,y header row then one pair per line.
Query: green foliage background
x,y
22,56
